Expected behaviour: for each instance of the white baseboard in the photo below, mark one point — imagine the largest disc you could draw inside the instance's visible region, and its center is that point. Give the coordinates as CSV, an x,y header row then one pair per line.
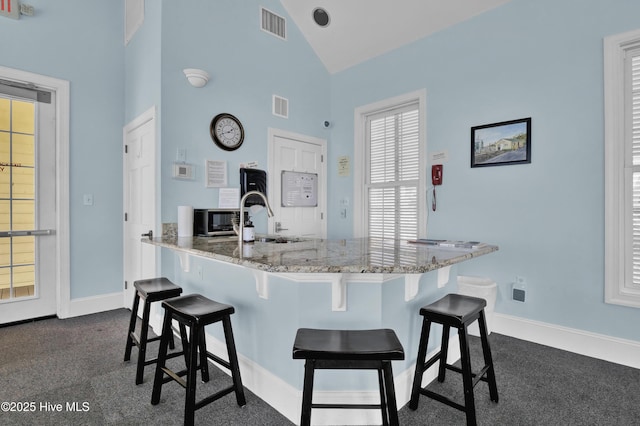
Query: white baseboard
x,y
612,349
92,305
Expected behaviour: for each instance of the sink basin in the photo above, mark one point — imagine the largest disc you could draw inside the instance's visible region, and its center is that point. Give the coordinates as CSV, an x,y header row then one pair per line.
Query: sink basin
x,y
277,240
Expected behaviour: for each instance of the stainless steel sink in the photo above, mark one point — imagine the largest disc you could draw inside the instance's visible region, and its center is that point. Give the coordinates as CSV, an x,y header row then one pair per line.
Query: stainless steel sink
x,y
277,240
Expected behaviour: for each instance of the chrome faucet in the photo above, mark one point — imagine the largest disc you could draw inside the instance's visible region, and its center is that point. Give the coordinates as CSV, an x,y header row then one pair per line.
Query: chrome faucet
x,y
242,201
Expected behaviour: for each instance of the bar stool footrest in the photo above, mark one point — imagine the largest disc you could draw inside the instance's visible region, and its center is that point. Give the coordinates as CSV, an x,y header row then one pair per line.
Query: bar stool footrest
x,y
432,361
476,376
214,397
219,360
443,399
349,406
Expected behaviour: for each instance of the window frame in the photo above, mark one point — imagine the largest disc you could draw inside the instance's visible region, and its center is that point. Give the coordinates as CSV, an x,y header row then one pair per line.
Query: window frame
x,y
360,217
618,246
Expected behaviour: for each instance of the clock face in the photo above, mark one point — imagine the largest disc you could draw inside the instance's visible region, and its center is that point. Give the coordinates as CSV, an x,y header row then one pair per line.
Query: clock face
x,y
227,131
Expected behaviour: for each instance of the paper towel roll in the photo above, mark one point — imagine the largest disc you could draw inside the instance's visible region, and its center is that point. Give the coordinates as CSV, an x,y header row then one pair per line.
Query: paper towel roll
x,y
185,221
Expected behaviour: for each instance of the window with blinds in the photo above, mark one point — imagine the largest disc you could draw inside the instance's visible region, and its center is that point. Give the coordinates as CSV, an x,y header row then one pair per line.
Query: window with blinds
x,y
392,177
622,169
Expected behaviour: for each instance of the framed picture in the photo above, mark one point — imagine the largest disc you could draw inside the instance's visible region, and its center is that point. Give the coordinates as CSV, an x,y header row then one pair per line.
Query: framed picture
x,y
501,144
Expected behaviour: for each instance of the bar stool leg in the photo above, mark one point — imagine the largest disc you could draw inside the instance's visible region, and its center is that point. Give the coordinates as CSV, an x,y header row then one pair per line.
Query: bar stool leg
x,y
142,347
390,393
383,397
444,351
488,360
307,392
190,400
233,361
204,364
132,327
162,359
422,354
467,377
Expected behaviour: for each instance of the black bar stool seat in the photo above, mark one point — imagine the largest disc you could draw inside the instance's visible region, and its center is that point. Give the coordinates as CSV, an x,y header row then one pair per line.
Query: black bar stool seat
x,y
150,290
196,311
458,311
352,350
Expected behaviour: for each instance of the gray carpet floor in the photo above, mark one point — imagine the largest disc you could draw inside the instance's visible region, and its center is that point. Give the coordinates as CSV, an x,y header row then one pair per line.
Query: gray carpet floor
x,y
71,372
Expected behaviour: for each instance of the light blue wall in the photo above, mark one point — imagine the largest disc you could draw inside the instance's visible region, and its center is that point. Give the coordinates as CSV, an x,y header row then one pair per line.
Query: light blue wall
x,y
538,59
86,51
247,66
143,56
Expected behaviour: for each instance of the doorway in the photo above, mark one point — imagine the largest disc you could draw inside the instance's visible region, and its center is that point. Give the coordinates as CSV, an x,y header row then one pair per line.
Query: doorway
x,y
34,252
291,152
139,200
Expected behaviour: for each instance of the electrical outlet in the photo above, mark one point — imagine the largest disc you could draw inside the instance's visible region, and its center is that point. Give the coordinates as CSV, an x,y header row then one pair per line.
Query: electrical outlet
x,y
519,289
87,199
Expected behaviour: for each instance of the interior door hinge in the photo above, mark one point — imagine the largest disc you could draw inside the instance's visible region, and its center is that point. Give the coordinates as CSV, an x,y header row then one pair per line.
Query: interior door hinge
x,y
322,158
125,217
321,216
126,149
126,285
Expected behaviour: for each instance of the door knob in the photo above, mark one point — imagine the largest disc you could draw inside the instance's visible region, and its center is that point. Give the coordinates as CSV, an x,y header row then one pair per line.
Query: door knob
x,y
148,234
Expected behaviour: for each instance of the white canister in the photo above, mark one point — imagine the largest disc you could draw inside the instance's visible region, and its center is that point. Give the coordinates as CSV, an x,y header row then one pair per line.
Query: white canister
x,y
248,233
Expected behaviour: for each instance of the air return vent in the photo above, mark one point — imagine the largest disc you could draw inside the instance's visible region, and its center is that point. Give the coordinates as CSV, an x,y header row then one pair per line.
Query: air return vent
x,y
274,24
280,106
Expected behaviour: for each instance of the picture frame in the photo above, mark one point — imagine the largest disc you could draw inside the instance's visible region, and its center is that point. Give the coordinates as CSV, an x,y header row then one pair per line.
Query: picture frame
x,y
501,144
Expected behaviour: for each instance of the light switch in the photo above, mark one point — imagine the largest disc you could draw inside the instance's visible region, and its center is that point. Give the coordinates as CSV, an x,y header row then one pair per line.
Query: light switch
x,y
87,199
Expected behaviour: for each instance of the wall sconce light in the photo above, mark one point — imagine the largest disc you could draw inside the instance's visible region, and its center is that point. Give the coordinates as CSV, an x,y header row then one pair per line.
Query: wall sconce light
x,y
196,77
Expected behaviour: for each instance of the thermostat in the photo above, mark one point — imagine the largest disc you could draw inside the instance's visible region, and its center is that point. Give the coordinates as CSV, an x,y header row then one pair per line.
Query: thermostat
x,y
182,171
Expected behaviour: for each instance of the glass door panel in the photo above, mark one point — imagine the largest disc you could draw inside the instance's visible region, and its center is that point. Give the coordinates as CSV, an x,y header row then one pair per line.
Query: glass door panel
x,y
17,198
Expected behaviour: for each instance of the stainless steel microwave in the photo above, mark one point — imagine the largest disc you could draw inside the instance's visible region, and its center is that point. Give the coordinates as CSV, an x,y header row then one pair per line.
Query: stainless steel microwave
x,y
215,222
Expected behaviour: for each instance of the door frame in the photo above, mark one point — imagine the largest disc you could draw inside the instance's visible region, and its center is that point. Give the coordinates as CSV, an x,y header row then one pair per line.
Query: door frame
x,y
62,107
142,119
272,134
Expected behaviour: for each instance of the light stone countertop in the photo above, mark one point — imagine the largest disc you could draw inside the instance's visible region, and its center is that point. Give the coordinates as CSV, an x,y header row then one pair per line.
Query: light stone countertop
x,y
356,255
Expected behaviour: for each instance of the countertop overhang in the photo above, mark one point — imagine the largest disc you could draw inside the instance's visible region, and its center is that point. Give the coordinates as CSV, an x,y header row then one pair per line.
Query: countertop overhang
x,y
355,255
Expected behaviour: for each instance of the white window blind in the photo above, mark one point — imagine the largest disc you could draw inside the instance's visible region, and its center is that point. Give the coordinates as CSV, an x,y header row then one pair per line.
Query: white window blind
x,y
632,166
392,180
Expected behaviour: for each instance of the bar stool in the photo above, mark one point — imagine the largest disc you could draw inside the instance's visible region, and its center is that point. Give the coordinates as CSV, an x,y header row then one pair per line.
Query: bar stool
x,y
458,311
352,350
196,311
151,290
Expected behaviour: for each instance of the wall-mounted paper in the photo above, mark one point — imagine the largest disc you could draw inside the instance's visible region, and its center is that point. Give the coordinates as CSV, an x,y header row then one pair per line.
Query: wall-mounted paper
x,y
229,198
216,173
343,166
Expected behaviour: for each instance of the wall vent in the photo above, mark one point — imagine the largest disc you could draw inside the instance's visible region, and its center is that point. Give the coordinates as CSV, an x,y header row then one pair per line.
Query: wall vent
x,y
273,24
280,106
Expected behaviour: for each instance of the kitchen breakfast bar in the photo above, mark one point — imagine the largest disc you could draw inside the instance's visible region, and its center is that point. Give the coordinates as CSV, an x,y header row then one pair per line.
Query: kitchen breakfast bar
x,y
279,285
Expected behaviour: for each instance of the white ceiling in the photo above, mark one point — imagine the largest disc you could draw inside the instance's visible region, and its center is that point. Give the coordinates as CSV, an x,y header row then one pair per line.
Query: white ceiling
x,y
362,29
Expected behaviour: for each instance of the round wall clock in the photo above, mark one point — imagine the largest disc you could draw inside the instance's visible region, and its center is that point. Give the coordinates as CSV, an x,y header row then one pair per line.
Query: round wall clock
x,y
227,131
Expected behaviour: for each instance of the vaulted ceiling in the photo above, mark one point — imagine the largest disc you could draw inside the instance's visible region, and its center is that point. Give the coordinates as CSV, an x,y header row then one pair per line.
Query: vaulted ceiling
x,y
362,29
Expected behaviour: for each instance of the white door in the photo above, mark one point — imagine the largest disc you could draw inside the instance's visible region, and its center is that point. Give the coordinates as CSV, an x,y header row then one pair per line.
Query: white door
x,y
139,200
296,153
28,214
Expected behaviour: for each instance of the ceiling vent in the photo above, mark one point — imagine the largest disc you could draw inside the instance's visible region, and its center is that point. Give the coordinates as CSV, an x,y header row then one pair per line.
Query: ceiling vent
x,y
280,106
321,17
274,24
